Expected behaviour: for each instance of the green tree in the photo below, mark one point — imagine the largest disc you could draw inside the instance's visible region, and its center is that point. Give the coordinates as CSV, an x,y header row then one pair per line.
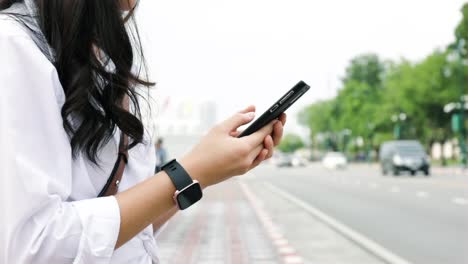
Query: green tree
x,y
421,90
366,68
359,101
461,32
319,117
291,143
461,48
374,90
358,105
355,108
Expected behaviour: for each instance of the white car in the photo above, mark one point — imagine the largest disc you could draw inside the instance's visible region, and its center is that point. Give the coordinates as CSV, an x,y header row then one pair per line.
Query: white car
x,y
334,160
298,161
282,159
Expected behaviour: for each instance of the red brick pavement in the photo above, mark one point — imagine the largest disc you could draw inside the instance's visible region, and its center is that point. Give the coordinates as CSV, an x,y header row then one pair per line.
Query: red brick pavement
x,y
225,227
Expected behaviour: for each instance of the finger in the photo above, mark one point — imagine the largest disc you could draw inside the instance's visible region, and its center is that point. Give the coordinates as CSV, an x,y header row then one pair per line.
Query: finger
x,y
269,145
283,118
237,120
257,138
261,157
277,133
250,108
255,152
235,133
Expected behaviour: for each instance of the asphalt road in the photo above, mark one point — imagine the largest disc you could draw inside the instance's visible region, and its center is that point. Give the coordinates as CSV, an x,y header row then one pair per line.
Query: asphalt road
x,y
421,219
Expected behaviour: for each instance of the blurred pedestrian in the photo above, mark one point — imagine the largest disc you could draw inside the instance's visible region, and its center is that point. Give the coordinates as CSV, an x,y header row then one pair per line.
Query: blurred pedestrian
x,y
69,106
161,154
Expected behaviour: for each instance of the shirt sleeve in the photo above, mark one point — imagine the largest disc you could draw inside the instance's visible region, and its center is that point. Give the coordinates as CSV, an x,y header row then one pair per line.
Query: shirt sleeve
x,y
38,222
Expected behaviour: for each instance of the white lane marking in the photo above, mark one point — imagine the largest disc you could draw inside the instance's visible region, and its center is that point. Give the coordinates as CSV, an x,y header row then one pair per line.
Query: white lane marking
x,y
459,201
395,189
293,260
422,194
346,231
286,250
281,242
276,236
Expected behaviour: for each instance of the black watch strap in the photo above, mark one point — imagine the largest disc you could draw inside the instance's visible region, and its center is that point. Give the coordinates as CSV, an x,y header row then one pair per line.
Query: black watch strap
x,y
178,175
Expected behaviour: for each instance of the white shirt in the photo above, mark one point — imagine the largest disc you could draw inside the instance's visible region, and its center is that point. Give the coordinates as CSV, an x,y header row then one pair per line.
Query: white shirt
x,y
49,212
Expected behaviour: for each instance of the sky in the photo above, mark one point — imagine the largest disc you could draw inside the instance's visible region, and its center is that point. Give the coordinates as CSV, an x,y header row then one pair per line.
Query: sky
x,y
244,52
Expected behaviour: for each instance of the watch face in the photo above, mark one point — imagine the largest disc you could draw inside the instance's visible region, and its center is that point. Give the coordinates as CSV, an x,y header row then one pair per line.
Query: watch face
x,y
189,196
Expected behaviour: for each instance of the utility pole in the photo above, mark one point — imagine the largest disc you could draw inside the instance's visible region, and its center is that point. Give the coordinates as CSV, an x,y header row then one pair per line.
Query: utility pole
x,y
458,108
462,134
398,119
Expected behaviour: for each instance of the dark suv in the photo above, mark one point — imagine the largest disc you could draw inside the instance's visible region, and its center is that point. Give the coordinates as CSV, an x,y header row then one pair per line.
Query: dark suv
x,y
403,155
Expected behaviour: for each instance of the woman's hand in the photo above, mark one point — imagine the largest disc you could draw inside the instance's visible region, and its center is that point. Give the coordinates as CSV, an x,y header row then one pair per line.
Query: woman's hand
x,y
221,155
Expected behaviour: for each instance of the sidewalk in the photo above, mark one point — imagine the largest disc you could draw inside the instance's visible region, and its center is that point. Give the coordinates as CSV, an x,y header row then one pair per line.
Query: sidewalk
x,y
234,224
223,228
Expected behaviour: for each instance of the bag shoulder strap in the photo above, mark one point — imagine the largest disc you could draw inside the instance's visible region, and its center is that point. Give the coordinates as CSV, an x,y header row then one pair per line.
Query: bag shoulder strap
x,y
112,184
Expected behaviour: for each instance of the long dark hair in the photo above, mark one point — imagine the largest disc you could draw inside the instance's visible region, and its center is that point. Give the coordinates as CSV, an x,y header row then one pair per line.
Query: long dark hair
x,y
77,32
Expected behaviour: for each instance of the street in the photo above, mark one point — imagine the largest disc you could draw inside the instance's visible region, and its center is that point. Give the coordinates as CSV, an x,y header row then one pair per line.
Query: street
x,y
315,215
422,220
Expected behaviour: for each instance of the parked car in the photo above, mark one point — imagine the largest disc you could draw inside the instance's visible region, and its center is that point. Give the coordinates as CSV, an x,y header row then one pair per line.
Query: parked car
x,y
282,160
298,161
403,155
334,160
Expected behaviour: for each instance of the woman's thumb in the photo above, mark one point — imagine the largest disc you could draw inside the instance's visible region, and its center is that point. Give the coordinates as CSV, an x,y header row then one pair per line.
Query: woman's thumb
x,y
237,120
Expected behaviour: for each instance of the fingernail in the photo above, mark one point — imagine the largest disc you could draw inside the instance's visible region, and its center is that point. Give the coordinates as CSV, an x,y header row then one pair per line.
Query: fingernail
x,y
251,115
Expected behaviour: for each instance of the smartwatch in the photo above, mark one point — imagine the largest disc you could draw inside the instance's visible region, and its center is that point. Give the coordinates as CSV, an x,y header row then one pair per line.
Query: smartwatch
x,y
188,191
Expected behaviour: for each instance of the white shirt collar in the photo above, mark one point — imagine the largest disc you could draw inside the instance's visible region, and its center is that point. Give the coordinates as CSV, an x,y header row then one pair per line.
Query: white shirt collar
x,y
31,10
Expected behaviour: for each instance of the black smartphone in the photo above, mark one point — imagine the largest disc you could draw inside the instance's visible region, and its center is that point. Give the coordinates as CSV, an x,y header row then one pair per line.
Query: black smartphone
x,y
279,107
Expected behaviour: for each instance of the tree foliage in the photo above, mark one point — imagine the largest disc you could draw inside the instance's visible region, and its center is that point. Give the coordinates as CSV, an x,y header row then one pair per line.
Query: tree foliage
x,y
366,68
461,32
291,143
374,90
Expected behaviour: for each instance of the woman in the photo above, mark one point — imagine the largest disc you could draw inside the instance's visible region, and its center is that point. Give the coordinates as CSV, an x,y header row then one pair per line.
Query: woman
x,y
68,104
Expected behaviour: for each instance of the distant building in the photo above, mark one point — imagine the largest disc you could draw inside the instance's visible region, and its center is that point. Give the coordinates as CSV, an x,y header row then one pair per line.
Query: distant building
x,y
181,122
208,116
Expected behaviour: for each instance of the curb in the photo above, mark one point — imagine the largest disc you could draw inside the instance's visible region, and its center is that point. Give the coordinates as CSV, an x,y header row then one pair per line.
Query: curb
x,y
287,252
359,239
